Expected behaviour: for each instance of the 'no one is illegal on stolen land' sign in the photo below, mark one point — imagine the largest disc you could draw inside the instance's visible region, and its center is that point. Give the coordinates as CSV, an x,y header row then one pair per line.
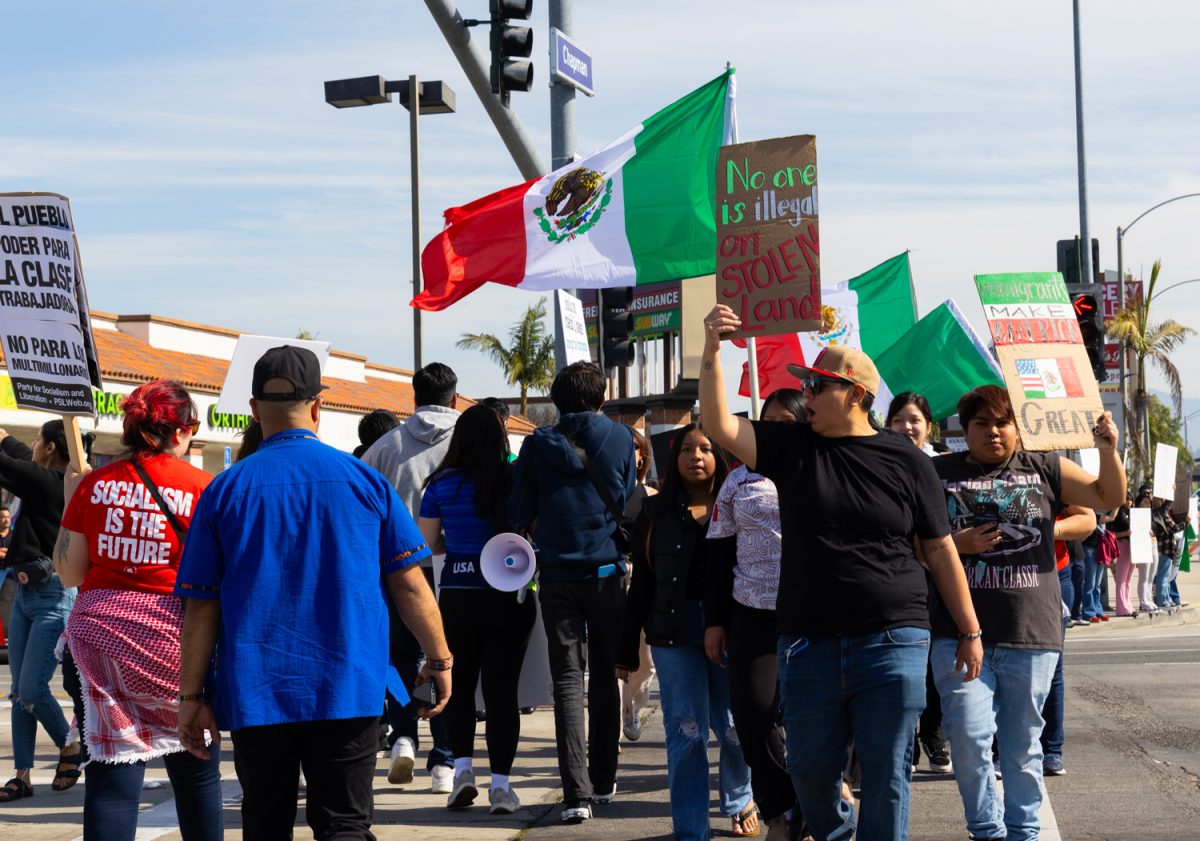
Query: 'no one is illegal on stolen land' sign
x,y
768,246
44,318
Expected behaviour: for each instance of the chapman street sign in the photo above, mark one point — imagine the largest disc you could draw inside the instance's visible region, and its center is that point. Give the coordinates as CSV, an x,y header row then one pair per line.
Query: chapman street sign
x,y
570,63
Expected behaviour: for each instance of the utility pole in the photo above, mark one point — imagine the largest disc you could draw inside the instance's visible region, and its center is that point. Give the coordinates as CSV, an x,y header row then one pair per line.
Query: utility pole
x,y
562,96
478,71
1085,248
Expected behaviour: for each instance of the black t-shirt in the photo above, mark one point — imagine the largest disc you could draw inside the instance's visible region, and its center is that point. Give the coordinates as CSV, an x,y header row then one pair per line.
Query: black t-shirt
x,y
849,510
1014,587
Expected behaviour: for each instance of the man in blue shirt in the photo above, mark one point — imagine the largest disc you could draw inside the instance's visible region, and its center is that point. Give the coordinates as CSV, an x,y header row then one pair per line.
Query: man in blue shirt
x,y
283,572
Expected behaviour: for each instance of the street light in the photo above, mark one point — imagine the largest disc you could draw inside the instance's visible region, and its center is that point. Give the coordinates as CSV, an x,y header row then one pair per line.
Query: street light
x,y
1121,293
433,97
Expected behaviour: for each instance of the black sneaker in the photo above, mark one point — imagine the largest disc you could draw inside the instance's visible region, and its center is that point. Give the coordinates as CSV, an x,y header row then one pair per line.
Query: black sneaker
x,y
937,756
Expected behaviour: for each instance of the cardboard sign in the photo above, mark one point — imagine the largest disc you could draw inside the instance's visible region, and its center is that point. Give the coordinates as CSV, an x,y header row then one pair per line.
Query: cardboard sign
x,y
768,247
1142,548
235,393
1166,458
1041,354
44,318
571,338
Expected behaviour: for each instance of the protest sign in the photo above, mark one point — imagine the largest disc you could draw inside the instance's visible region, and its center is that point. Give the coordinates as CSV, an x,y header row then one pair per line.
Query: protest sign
x,y
768,246
235,393
1166,458
44,319
1089,460
1142,549
571,338
1041,354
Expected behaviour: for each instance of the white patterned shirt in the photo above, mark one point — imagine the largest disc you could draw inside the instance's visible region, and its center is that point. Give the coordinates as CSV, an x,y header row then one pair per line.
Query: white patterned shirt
x,y
748,506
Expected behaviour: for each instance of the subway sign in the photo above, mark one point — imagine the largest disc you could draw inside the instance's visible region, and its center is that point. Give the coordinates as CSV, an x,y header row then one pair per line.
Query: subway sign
x,y
656,310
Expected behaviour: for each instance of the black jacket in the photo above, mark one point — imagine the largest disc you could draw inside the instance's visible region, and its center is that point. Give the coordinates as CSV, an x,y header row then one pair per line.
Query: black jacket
x,y
41,493
658,599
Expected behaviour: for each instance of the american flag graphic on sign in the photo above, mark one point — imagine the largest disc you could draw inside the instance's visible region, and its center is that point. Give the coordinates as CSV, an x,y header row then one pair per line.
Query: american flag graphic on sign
x,y
1048,378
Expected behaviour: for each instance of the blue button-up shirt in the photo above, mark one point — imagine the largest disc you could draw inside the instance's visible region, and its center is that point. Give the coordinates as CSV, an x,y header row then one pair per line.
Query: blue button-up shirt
x,y
293,542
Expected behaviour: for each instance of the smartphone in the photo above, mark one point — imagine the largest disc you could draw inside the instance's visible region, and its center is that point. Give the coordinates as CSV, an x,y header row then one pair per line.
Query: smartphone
x,y
421,697
986,514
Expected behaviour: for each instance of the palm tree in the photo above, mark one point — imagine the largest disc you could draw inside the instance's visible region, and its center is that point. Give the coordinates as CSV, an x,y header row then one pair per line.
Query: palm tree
x,y
528,360
1156,342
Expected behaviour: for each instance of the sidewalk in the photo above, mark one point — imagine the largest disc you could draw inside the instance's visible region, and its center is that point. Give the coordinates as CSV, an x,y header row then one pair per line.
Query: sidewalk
x,y
1189,591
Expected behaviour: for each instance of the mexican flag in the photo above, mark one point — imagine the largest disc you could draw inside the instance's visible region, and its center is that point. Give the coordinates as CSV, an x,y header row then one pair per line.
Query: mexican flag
x,y
940,357
641,210
869,312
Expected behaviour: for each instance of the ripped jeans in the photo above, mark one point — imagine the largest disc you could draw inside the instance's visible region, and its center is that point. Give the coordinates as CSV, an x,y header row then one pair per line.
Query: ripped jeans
x,y
39,615
694,694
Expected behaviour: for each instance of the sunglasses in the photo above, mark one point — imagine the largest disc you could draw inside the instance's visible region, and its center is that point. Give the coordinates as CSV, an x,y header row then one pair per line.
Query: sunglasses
x,y
194,427
812,384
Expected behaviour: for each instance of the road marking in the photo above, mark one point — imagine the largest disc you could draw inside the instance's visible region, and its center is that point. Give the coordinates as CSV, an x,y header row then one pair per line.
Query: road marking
x,y
1131,651
1163,637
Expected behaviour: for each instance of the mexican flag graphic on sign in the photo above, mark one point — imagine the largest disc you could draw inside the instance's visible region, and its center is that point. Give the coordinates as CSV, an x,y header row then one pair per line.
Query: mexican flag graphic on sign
x,y
638,211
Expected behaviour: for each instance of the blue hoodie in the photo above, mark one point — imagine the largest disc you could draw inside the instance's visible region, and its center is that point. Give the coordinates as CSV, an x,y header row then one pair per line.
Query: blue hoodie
x,y
574,527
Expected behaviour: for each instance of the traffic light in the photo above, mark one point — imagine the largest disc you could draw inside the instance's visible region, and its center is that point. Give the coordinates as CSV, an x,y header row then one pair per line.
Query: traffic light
x,y
616,325
1088,302
510,43
1069,261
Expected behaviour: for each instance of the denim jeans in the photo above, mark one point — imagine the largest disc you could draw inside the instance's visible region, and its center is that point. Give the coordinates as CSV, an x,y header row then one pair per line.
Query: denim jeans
x,y
113,791
694,693
39,615
1162,582
1006,702
869,688
1093,575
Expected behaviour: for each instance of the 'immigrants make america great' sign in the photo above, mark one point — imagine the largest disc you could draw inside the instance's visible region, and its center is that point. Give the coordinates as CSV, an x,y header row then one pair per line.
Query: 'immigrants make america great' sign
x,y
44,317
768,248
1040,349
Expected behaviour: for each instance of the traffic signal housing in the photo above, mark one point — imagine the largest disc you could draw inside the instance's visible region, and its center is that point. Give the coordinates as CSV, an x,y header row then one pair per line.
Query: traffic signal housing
x,y
616,327
1069,261
511,45
1087,299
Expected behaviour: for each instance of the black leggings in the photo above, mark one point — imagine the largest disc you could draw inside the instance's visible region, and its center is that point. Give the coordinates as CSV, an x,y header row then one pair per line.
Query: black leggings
x,y
487,632
754,700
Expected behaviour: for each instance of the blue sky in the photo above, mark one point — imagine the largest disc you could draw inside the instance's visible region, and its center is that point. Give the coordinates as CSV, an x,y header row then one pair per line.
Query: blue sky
x,y
211,182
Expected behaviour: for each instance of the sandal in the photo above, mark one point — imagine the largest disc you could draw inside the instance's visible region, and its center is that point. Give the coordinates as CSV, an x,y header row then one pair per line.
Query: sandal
x,y
10,793
745,823
63,780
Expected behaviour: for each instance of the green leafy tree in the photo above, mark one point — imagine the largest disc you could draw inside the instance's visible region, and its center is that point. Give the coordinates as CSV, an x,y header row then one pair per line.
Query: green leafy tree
x,y
1149,341
527,359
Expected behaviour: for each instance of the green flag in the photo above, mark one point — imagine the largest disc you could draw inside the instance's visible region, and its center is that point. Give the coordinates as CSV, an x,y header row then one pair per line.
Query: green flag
x,y
1189,537
941,358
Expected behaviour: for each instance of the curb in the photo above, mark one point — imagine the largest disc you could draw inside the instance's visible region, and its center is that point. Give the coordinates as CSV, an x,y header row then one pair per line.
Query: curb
x,y
1180,616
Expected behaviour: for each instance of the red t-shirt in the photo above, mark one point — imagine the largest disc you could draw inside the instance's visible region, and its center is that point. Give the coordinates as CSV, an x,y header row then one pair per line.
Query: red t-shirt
x,y
131,544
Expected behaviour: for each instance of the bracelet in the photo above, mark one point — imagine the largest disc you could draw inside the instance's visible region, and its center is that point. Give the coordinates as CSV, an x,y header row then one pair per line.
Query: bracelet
x,y
974,635
194,696
441,665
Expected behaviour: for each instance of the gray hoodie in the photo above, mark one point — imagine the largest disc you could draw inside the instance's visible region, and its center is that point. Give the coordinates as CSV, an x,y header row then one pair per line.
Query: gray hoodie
x,y
412,451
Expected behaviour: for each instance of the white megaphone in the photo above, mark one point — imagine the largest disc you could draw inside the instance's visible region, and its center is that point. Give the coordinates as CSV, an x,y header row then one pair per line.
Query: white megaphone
x,y
507,562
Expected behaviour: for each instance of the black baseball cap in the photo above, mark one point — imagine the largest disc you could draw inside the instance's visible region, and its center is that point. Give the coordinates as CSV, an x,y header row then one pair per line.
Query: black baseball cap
x,y
297,365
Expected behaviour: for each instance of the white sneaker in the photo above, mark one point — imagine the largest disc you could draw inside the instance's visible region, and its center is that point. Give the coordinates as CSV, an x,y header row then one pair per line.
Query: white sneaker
x,y
404,754
605,798
577,814
631,725
504,801
443,779
464,792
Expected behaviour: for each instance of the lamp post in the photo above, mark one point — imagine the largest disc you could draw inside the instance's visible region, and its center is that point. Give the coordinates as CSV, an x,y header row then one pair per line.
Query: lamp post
x,y
1121,293
433,97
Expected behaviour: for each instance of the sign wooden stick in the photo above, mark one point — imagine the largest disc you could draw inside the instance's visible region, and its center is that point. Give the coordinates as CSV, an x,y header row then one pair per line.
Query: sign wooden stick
x,y
75,442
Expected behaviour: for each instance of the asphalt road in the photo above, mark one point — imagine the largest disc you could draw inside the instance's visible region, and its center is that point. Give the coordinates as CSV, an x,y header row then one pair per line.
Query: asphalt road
x,y
1132,756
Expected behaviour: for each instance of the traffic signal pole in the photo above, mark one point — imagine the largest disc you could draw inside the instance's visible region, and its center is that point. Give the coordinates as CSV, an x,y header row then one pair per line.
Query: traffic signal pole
x,y
477,68
562,96
1085,258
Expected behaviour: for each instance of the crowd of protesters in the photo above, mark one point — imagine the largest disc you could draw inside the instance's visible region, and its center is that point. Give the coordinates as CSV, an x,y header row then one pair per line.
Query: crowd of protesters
x,y
828,598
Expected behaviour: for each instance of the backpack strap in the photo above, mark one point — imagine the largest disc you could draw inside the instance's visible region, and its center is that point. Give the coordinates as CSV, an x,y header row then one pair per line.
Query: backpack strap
x,y
176,526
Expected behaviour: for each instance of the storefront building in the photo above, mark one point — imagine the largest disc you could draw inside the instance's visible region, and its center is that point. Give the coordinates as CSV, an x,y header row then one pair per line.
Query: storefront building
x,y
136,349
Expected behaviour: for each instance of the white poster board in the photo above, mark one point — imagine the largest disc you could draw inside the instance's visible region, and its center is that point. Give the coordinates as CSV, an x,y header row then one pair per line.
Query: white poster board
x,y
1141,538
1165,458
44,319
571,342
235,393
1089,460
